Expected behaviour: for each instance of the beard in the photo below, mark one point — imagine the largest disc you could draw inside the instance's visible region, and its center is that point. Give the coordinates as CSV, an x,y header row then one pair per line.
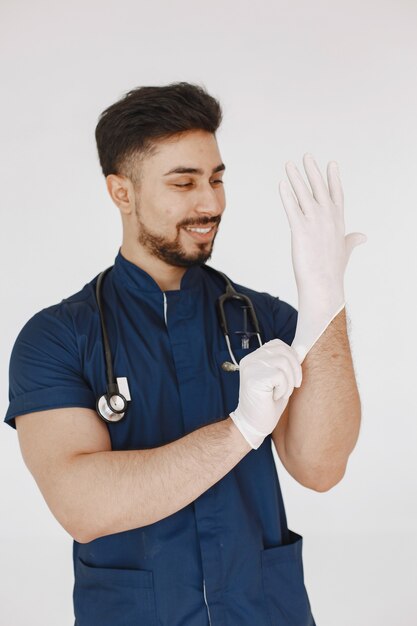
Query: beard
x,y
171,252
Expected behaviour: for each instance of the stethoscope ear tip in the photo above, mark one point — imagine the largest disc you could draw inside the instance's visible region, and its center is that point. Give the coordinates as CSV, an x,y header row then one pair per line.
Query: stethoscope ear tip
x,y
229,367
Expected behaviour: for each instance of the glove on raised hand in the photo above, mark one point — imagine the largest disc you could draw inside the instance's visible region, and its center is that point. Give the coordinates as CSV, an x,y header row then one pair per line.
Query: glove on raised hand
x,y
320,248
268,376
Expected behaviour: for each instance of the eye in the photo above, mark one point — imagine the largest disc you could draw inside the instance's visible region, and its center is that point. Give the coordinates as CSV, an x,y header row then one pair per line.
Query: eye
x,y
218,181
184,185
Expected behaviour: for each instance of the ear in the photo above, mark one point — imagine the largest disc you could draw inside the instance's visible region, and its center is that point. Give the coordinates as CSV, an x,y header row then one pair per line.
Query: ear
x,y
120,189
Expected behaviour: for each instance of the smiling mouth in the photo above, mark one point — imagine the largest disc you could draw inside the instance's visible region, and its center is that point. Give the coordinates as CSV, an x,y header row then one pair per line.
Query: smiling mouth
x,y
200,233
199,229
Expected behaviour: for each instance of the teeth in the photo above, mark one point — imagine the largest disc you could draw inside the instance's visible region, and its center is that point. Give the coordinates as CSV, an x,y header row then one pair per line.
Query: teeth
x,y
200,230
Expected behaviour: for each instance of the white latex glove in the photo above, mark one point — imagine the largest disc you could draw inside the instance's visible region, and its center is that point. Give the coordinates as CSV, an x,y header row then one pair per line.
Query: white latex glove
x,y
268,376
320,248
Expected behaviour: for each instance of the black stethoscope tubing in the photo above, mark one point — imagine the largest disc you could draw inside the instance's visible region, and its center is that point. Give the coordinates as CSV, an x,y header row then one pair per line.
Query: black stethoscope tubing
x,y
112,405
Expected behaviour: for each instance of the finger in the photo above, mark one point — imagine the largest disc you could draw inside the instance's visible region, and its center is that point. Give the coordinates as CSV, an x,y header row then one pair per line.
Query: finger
x,y
289,350
276,367
277,347
301,351
352,240
277,397
281,405
303,194
296,370
281,385
291,206
286,372
316,180
281,374
335,184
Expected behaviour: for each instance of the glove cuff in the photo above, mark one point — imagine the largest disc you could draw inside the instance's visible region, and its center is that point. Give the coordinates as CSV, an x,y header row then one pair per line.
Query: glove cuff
x,y
252,436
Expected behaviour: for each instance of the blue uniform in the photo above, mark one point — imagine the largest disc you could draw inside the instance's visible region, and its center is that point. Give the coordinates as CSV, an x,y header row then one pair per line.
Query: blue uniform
x,y
226,559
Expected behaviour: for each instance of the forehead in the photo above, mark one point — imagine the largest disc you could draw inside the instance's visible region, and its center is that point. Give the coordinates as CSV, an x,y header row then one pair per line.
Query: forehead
x,y
194,149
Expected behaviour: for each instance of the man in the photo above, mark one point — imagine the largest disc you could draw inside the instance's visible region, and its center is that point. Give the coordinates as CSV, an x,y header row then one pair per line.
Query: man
x,y
173,500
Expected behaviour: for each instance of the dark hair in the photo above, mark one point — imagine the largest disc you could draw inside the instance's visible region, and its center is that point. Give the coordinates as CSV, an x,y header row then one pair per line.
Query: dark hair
x,y
133,125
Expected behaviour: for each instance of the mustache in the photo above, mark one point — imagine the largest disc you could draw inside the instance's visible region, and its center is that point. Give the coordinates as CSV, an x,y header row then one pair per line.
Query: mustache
x,y
209,221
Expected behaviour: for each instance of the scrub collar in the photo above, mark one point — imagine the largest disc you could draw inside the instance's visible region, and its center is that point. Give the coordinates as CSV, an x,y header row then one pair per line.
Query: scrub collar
x,y
137,279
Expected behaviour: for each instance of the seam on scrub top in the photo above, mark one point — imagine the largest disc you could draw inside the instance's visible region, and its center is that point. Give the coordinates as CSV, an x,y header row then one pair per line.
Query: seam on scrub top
x,y
165,308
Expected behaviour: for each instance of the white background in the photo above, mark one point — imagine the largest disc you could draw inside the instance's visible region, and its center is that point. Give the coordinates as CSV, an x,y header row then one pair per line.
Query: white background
x,y
333,78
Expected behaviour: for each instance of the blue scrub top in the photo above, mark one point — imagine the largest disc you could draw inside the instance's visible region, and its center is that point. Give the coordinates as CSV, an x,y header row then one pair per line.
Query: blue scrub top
x,y
226,559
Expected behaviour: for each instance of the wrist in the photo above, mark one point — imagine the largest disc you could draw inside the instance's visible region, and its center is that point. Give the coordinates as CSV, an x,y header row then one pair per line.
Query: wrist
x,y
244,435
322,296
315,313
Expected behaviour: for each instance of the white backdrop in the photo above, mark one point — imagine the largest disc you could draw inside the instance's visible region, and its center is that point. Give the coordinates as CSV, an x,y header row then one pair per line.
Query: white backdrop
x,y
333,78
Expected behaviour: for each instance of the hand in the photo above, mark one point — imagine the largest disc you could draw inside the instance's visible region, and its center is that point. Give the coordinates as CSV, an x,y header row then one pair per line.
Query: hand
x,y
268,376
320,248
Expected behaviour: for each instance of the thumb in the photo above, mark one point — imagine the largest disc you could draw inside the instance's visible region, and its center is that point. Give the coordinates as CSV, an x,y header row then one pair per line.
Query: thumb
x,y
276,396
352,240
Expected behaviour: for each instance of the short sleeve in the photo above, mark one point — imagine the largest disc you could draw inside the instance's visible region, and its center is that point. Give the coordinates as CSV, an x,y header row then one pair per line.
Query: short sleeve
x,y
45,370
285,320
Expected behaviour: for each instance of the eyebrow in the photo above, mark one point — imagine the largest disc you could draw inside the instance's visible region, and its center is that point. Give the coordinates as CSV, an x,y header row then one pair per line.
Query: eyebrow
x,y
194,170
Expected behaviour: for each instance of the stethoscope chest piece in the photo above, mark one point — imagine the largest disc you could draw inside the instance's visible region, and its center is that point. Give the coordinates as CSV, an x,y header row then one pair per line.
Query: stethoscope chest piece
x,y
112,408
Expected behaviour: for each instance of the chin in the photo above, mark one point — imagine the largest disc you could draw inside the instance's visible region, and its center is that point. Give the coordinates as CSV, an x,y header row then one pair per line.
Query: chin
x,y
196,259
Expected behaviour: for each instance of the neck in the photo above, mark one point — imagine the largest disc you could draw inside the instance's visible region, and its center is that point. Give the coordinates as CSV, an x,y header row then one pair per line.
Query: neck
x,y
167,277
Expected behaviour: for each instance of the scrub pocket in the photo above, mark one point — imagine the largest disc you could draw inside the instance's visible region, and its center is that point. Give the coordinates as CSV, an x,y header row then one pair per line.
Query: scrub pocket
x,y
283,580
113,597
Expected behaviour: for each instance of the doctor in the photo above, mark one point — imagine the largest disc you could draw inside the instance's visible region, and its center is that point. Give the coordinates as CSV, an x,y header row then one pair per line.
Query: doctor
x,y
176,510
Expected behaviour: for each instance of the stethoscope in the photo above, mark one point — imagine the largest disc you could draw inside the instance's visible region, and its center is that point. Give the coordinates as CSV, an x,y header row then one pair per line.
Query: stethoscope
x,y
112,405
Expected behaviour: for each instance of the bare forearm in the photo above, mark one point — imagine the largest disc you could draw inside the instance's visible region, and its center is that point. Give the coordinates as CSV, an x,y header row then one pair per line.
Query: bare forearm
x,y
324,413
114,491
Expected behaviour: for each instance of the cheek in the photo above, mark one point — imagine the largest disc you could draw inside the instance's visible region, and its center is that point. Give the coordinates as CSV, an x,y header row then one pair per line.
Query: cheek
x,y
167,210
170,213
175,214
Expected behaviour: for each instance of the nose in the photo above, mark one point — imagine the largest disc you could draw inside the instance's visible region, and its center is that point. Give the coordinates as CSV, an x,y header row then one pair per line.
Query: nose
x,y
210,201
